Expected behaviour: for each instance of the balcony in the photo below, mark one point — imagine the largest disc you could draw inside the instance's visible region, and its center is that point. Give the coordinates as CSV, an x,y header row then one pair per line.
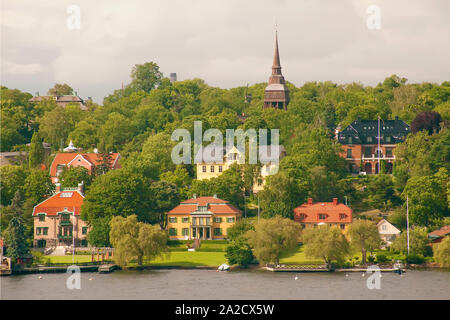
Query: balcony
x,y
202,224
65,223
375,157
64,236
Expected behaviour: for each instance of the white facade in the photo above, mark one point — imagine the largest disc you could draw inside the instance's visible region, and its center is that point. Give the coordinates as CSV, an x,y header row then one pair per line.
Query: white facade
x,y
387,231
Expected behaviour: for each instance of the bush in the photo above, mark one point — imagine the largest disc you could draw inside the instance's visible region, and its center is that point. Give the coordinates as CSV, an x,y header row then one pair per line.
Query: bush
x,y
371,259
381,258
415,259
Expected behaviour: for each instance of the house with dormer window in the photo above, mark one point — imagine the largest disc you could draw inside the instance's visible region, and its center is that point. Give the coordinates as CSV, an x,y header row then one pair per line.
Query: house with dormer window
x,y
204,218
57,219
333,213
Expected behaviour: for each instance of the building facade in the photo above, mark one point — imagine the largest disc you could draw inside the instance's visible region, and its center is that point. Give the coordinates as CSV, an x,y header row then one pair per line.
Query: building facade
x,y
204,218
332,213
86,160
387,231
208,170
62,101
276,94
57,219
368,145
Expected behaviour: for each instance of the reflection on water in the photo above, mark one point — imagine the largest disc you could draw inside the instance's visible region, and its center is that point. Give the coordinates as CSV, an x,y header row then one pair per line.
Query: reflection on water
x,y
209,284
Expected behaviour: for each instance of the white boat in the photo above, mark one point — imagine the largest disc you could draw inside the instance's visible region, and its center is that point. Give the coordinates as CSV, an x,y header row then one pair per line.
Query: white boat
x,y
223,267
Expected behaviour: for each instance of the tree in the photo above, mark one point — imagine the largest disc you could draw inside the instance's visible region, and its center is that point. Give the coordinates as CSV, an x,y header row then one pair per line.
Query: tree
x,y
134,240
54,127
327,243
37,153
60,90
281,195
427,200
428,121
98,235
164,198
116,131
398,218
12,179
71,176
380,189
442,253
239,229
274,239
364,237
145,76
239,250
418,241
16,239
38,186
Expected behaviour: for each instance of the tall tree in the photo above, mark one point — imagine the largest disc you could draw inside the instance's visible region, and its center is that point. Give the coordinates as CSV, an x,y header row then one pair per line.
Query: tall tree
x,y
36,154
327,243
364,237
428,121
134,240
418,241
60,89
442,253
274,239
145,76
16,238
165,198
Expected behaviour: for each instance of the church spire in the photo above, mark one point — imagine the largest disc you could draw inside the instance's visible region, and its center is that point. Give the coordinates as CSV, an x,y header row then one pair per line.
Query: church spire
x,y
276,58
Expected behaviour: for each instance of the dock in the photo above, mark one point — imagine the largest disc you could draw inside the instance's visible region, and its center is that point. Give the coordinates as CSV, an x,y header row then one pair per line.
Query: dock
x,y
107,268
298,268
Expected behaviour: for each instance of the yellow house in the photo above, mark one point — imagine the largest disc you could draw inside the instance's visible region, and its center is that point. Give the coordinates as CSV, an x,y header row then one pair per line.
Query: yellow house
x,y
205,218
213,170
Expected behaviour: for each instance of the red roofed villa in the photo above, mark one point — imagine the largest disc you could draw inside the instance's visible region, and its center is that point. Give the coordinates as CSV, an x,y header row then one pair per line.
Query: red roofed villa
x,y
86,160
205,218
54,219
333,213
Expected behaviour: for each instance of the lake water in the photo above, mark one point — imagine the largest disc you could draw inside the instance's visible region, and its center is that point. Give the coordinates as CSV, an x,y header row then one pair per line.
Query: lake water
x,y
209,284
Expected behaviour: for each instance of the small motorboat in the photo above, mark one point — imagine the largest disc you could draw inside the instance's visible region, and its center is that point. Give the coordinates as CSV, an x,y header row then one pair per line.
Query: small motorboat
x,y
399,267
223,267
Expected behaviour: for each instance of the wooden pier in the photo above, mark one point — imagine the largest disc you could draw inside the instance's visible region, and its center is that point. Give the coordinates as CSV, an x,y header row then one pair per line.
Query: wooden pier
x,y
107,268
298,268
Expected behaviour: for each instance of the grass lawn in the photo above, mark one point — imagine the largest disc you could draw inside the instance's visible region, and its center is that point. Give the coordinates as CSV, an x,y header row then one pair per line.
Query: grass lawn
x,y
300,258
188,259
68,258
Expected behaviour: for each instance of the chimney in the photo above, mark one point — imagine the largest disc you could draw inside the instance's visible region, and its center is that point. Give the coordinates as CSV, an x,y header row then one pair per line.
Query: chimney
x,y
80,188
194,196
57,187
335,201
309,200
396,118
215,195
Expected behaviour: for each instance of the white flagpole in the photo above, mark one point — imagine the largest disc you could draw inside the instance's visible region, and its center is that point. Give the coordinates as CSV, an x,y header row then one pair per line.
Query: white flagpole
x,y
73,237
407,222
379,153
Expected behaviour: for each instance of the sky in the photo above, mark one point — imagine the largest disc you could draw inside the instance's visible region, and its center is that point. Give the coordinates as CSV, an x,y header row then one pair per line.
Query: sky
x,y
228,43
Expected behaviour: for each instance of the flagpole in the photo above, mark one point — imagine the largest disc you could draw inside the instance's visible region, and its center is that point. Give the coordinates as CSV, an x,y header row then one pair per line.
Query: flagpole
x,y
407,223
378,152
73,237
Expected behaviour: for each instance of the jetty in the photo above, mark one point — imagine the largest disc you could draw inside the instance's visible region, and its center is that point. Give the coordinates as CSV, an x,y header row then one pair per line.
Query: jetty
x,y
298,268
107,268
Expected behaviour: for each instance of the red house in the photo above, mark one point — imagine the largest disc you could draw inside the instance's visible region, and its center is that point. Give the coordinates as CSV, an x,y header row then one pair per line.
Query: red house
x,y
333,213
86,160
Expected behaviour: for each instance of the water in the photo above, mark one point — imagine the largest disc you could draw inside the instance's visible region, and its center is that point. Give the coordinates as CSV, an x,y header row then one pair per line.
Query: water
x,y
209,284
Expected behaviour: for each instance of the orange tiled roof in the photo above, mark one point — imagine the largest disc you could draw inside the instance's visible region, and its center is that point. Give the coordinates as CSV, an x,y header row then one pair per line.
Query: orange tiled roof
x,y
57,203
445,230
309,212
215,205
66,157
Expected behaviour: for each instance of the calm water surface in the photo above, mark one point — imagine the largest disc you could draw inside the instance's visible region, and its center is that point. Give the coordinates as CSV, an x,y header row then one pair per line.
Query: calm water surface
x,y
209,284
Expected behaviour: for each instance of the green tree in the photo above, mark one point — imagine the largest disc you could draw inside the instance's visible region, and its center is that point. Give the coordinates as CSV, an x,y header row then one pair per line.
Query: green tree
x,y
364,237
12,179
15,235
116,131
98,235
70,177
442,253
239,229
38,186
327,243
380,192
418,242
60,89
427,200
164,198
274,239
37,153
145,76
239,250
54,127
134,240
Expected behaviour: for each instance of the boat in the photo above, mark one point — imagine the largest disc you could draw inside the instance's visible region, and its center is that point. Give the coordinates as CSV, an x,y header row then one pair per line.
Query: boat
x,y
399,267
223,267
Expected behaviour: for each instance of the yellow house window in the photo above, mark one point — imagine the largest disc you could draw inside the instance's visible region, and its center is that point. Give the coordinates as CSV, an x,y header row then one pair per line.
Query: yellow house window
x,y
42,217
203,168
220,168
217,219
186,220
185,232
172,232
173,220
231,219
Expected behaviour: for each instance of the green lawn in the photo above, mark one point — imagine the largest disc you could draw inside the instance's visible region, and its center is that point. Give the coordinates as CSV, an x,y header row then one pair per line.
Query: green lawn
x,y
300,258
188,259
68,258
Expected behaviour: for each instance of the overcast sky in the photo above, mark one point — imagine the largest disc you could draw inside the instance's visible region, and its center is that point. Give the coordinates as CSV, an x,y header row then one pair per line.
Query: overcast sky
x,y
227,43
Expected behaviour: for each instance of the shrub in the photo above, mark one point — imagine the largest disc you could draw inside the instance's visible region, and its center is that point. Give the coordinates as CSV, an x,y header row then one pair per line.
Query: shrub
x,y
415,258
371,259
381,258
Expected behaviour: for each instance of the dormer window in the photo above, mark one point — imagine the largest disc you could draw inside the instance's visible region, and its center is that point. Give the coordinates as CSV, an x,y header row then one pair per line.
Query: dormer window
x,y
202,208
322,216
342,216
302,216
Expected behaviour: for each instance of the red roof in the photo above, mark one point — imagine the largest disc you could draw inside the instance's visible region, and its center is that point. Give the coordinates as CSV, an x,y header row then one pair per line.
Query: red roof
x,y
442,232
65,158
332,212
56,203
215,205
